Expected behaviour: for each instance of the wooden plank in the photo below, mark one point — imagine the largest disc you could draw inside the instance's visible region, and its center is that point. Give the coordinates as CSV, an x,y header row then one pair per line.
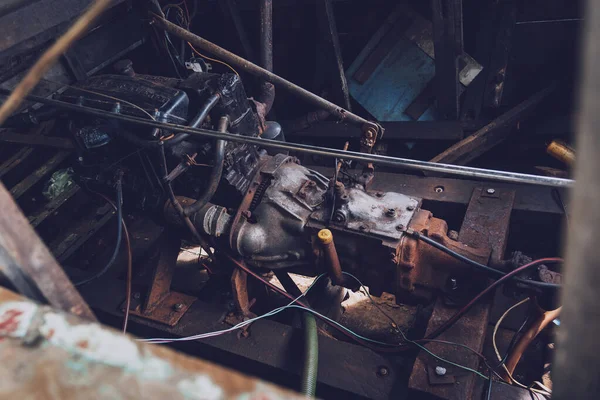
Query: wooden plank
x,y
19,189
490,135
26,259
41,215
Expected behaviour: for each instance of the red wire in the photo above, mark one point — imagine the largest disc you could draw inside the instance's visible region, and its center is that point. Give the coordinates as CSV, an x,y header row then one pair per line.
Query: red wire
x,y
431,336
470,304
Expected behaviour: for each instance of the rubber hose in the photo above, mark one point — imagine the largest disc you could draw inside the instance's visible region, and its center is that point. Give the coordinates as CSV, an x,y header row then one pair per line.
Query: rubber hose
x,y
311,355
216,173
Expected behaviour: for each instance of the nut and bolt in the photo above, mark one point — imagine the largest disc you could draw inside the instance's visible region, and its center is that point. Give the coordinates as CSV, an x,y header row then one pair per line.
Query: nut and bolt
x,y
390,212
410,208
440,371
453,235
383,371
439,189
178,307
399,227
490,191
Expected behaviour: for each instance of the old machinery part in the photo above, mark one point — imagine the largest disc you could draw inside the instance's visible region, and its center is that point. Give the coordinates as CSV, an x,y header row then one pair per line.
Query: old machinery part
x,y
331,257
394,162
562,152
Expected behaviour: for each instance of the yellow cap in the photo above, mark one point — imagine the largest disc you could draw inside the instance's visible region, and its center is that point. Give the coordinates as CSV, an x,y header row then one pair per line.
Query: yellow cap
x,y
325,236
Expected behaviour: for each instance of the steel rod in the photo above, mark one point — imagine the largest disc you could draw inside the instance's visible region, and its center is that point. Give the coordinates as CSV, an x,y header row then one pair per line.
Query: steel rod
x,y
481,173
262,73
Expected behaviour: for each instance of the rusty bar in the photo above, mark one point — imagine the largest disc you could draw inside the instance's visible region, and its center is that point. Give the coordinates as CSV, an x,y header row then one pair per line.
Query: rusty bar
x,y
262,73
22,248
266,34
73,359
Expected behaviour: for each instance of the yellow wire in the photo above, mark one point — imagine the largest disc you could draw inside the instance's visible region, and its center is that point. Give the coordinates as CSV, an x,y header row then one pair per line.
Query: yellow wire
x,y
213,59
498,352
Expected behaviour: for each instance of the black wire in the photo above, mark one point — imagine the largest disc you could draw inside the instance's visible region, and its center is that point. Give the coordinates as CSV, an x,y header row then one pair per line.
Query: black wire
x,y
489,389
482,267
119,188
513,341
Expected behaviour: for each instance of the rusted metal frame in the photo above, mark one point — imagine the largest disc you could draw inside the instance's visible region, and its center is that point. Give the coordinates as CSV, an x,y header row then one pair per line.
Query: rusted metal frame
x,y
493,133
23,249
160,303
486,224
333,52
63,247
40,216
20,188
448,46
65,346
270,349
371,129
36,140
448,191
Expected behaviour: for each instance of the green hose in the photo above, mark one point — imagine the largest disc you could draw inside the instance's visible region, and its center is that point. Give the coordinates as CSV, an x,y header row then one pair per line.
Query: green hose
x,y
311,355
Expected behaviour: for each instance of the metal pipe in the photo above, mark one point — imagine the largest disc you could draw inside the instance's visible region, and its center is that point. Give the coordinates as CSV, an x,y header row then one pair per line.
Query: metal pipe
x,y
197,121
577,362
266,94
333,262
262,73
394,162
215,175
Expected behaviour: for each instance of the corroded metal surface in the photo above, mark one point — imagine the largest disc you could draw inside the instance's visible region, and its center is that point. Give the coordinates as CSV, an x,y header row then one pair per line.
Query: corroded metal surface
x,y
47,354
486,223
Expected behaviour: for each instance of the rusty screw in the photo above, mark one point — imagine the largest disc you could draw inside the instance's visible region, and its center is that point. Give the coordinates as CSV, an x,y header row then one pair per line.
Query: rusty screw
x,y
178,307
390,212
383,371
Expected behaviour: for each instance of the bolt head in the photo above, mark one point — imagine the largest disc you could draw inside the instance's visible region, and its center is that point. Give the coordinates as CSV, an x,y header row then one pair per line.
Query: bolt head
x,y
383,371
410,208
439,189
440,371
390,212
178,307
399,227
362,228
491,191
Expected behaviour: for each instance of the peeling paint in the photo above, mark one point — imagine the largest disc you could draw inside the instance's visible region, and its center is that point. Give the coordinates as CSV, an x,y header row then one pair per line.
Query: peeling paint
x,y
200,388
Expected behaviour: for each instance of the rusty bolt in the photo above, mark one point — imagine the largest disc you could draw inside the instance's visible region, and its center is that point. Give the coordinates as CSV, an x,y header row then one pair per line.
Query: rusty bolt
x,y
491,191
439,189
390,212
383,371
399,227
136,295
453,235
410,208
370,132
178,307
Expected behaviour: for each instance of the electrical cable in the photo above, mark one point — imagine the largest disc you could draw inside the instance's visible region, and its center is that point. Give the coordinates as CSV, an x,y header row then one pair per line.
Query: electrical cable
x,y
495,345
480,266
442,328
119,189
129,279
